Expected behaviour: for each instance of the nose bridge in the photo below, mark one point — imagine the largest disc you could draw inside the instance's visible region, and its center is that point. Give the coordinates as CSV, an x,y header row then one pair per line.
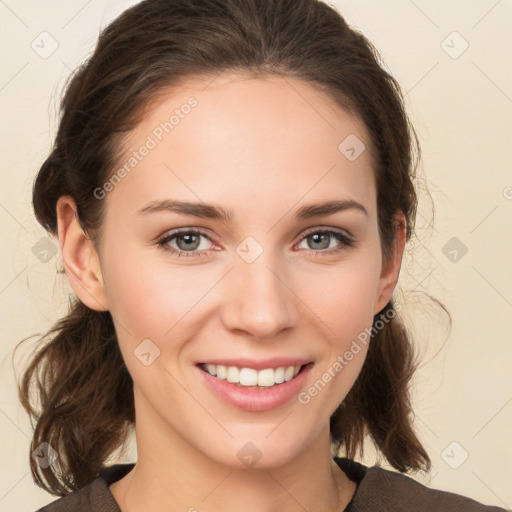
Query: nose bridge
x,y
262,304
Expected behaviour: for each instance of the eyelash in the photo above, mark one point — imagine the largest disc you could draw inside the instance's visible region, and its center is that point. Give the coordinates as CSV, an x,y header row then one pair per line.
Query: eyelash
x,y
346,242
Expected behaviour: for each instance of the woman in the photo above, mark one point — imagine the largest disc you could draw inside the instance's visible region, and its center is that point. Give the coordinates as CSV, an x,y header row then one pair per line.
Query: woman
x,y
232,189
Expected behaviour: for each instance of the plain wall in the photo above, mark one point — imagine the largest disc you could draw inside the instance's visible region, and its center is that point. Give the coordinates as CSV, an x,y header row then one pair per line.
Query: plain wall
x,y
461,105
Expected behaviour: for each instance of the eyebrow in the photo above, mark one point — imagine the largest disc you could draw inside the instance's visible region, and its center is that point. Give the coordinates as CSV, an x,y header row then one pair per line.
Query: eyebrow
x,y
211,211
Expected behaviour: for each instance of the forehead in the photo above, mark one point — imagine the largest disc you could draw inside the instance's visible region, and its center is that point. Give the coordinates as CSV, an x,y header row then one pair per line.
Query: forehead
x,y
234,136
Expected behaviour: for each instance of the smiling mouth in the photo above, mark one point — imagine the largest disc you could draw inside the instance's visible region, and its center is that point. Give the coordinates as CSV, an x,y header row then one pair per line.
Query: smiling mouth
x,y
251,378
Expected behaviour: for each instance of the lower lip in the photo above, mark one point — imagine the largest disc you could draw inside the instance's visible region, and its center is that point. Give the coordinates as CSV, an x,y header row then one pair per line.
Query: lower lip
x,y
256,400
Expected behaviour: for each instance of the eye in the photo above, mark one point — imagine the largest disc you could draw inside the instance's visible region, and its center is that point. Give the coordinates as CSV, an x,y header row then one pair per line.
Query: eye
x,y
321,239
188,242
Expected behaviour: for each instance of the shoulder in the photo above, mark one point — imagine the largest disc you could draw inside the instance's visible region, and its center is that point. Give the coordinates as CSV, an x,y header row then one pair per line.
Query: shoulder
x,y
80,500
382,489
95,496
401,492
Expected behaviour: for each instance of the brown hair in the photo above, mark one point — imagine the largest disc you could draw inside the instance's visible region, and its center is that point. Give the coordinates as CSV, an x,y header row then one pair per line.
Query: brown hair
x,y
82,382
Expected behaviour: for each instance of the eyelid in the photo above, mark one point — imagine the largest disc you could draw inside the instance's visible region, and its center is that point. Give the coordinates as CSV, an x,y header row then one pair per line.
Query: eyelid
x,y
326,229
300,237
348,241
168,235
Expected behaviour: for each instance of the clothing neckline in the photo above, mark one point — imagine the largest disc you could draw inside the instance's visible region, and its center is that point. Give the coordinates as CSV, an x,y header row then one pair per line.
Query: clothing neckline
x,y
355,471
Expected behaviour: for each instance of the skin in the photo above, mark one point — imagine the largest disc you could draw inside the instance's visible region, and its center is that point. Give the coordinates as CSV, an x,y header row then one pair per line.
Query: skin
x,y
262,148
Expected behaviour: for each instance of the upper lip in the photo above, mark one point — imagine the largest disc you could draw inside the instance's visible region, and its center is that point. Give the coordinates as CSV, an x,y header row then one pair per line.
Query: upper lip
x,y
260,364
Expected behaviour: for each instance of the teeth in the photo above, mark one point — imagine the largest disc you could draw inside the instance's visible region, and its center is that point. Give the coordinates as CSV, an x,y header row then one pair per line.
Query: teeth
x,y
251,377
211,369
232,374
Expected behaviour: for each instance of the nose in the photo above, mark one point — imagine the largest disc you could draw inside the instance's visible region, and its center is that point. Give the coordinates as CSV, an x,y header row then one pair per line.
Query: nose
x,y
260,304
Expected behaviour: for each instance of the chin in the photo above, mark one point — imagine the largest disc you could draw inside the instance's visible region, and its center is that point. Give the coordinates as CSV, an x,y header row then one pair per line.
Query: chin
x,y
260,452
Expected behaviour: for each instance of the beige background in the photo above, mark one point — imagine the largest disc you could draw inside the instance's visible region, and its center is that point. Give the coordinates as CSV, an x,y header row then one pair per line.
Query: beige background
x,y
461,104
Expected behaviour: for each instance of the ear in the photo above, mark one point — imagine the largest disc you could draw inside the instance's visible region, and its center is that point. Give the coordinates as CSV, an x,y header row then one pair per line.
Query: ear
x,y
391,268
79,256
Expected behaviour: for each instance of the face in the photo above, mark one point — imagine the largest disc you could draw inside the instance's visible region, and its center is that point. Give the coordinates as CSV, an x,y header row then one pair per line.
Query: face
x,y
271,285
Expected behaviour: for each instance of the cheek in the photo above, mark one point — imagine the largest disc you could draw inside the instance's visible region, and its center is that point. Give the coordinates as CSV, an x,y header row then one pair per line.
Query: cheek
x,y
343,297
344,300
147,296
347,316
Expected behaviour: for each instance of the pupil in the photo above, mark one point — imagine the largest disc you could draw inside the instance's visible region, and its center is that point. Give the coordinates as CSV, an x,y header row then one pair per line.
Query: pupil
x,y
189,238
315,240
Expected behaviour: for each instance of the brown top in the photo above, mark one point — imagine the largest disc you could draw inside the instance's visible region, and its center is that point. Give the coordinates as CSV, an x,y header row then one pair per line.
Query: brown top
x,y
378,489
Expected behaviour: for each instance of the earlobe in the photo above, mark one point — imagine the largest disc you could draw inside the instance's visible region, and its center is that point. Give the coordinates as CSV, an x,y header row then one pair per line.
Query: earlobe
x,y
391,268
80,257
